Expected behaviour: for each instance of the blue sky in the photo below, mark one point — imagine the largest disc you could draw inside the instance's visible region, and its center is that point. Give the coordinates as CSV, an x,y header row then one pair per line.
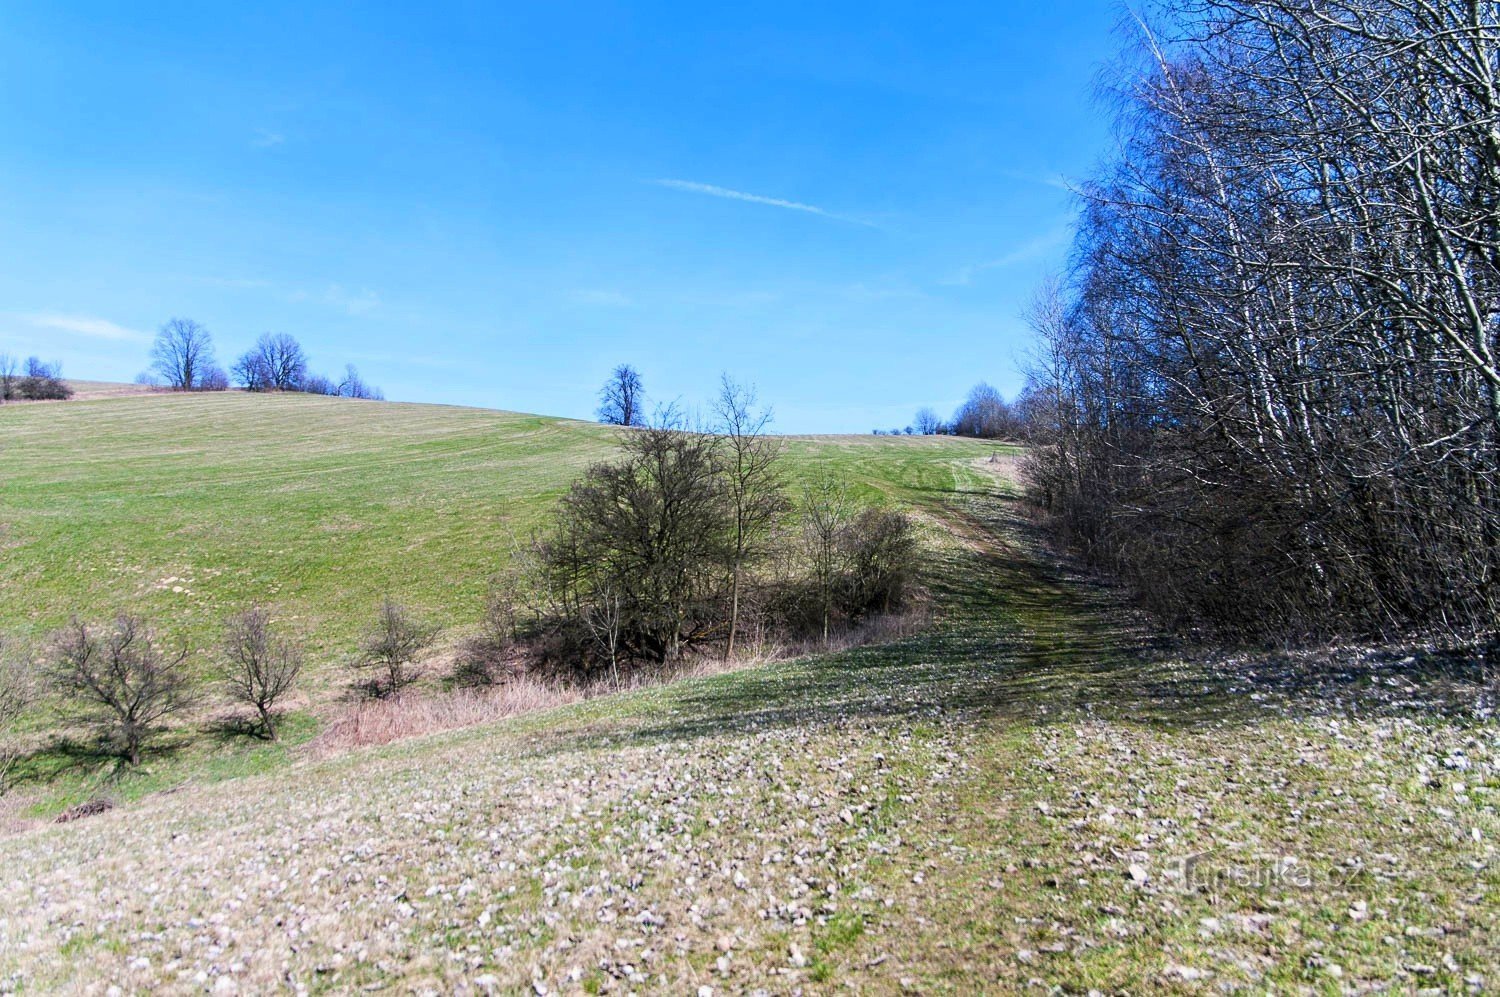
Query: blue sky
x,y
846,204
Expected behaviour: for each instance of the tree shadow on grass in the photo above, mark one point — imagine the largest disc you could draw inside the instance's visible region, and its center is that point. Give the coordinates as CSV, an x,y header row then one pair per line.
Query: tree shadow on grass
x,y
65,756
1026,640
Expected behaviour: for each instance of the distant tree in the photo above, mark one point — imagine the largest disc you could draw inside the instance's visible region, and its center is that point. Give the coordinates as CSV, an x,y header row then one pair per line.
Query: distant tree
x,y
275,363
622,400
213,378
927,422
984,414
183,355
317,384
120,681
392,646
354,386
42,382
750,458
8,377
260,668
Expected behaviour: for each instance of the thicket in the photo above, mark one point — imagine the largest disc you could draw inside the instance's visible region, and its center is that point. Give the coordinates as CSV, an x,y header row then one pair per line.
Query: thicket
x,y
1268,392
669,550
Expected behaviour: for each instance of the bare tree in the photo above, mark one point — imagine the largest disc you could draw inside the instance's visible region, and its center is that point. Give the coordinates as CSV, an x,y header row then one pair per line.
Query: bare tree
x,y
260,668
183,355
605,619
927,422
119,681
985,414
827,512
622,400
18,690
757,499
275,363
8,368
1270,387
393,646
354,386
650,529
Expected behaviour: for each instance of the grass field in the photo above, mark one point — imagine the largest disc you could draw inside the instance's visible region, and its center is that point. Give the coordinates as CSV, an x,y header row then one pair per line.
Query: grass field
x,y
1034,794
189,507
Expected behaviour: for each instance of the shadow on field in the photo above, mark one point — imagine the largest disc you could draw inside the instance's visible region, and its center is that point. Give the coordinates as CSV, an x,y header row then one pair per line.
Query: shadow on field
x,y
1025,640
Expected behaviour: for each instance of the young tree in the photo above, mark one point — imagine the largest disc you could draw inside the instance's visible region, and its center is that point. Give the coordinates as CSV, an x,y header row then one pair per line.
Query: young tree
x,y
757,499
8,378
120,681
18,690
393,646
275,363
827,511
183,355
622,400
260,668
354,386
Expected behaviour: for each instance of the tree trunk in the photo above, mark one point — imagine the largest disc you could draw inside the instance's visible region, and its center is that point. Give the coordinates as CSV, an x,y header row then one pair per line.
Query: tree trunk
x,y
734,613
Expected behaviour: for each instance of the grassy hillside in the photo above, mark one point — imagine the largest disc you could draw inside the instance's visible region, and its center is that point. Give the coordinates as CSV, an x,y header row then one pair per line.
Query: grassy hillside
x,y
188,507
1023,797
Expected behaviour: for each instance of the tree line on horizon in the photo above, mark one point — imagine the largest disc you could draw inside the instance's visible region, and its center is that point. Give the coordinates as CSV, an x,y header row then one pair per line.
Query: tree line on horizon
x,y
31,380
983,414
1269,386
183,358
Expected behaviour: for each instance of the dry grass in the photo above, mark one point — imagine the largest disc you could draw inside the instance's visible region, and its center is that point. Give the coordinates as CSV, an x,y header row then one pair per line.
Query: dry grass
x,y
1004,803
417,713
413,714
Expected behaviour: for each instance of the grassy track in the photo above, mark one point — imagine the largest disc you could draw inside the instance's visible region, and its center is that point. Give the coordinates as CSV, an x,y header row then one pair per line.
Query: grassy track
x,y
1004,802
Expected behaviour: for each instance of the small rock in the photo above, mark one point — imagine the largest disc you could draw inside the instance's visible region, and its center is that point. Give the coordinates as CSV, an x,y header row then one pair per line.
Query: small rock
x,y
1138,873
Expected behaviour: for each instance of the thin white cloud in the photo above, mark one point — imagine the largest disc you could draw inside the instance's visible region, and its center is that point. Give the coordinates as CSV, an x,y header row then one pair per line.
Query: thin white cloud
x,y
267,139
711,190
1054,180
86,326
1024,253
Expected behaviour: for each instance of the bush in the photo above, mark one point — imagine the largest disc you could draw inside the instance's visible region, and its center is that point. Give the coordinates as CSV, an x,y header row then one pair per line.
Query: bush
x,y
640,550
392,647
42,382
490,656
879,561
260,668
119,681
18,691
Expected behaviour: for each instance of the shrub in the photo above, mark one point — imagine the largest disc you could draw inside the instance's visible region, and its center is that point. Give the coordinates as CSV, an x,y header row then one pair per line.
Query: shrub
x,y
490,656
879,561
260,668
640,547
17,692
119,681
42,382
392,647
